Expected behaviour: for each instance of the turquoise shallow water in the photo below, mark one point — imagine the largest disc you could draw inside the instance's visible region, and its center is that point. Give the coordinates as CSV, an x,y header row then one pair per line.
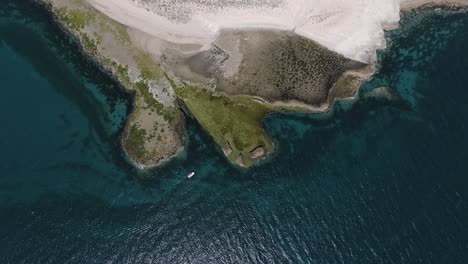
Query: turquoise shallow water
x,y
374,181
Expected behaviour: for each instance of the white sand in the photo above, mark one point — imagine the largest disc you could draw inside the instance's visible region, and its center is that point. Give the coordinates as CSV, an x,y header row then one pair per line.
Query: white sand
x,y
353,28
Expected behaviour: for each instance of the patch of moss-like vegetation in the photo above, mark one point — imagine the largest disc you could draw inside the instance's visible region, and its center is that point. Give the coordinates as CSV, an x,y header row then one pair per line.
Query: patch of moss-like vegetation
x,y
135,142
98,38
122,71
77,20
167,113
114,27
283,66
149,70
234,123
73,18
345,87
89,43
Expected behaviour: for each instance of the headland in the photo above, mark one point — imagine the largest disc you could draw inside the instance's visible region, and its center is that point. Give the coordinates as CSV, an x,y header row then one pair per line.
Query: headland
x,y
228,73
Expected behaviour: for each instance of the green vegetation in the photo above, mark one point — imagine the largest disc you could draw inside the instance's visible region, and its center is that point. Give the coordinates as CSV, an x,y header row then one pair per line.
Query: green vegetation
x,y
149,70
345,87
135,142
109,42
98,38
83,14
75,19
235,122
148,98
114,27
122,71
89,43
168,113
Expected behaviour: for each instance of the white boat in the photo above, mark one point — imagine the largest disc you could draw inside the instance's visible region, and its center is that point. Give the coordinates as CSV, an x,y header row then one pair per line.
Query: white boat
x,y
191,175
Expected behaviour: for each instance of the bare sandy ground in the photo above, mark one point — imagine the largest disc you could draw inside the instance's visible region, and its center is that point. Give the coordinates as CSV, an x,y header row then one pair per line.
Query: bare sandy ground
x,y
352,28
249,61
289,53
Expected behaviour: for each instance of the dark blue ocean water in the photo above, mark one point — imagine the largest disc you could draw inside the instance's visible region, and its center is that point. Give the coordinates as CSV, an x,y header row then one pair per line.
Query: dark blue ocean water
x,y
374,181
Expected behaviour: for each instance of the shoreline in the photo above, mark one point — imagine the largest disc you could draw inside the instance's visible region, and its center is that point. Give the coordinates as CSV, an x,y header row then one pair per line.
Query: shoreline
x,y
200,24
365,74
85,51
102,61
361,75
92,56
352,29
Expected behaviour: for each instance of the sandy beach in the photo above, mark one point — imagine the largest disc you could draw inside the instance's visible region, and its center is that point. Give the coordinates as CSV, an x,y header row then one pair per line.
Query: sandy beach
x,y
284,54
354,29
350,28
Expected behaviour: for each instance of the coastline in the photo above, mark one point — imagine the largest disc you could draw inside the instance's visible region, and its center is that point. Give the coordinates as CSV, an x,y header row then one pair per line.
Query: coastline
x,y
85,51
349,28
346,86
381,178
159,126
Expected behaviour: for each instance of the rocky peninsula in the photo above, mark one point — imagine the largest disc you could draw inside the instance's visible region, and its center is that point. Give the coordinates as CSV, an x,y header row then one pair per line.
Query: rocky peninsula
x,y
228,78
